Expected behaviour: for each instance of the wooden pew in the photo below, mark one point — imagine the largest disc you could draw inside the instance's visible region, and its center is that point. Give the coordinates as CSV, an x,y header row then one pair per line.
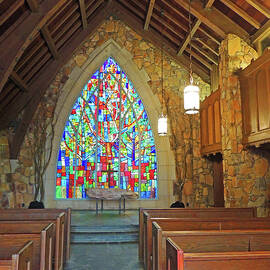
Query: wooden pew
x,y
163,229
177,259
40,214
146,216
17,258
43,243
56,218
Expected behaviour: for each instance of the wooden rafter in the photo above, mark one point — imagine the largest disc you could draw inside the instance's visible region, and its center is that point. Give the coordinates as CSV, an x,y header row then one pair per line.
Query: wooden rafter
x,y
37,88
209,3
49,40
201,51
242,13
261,8
262,32
199,58
83,13
210,36
149,14
202,18
189,35
207,46
33,5
11,10
155,38
19,82
15,44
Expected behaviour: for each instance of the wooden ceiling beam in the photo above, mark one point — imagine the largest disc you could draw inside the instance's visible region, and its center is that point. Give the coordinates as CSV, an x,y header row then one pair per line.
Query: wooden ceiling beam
x,y
13,46
83,13
11,10
33,5
189,36
262,32
207,46
93,7
19,82
209,36
209,3
49,40
156,39
149,14
29,55
197,13
199,58
38,87
59,35
64,18
242,13
206,55
261,8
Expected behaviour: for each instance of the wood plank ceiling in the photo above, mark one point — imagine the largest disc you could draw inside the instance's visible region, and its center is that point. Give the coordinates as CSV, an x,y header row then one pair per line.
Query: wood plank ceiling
x,y
37,37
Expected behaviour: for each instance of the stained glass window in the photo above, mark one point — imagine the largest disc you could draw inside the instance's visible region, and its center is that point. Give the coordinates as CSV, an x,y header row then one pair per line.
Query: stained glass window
x,y
107,140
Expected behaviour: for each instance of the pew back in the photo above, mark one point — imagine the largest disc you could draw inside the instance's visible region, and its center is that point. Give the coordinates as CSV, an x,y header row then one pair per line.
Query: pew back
x,y
43,229
166,228
41,214
148,216
184,212
17,258
177,259
57,218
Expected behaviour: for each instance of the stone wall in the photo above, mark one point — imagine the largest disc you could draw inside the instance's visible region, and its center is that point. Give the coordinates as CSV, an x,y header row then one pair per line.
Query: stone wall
x,y
16,189
246,172
184,130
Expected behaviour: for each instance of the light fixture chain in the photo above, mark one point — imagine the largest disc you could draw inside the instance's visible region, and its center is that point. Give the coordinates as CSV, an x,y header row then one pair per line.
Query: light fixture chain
x,y
190,45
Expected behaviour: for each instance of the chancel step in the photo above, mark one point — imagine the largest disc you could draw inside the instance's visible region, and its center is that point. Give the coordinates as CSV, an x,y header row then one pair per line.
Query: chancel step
x,y
104,234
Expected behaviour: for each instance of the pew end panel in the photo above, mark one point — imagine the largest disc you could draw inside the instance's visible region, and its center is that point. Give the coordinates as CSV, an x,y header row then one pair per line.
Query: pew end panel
x,y
174,256
21,260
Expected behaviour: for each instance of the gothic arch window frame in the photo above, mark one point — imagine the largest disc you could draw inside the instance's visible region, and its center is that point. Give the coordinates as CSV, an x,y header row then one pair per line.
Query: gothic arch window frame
x,y
70,91
129,92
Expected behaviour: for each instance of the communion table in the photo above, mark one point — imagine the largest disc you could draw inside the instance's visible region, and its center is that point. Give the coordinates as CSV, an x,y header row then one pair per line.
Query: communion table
x,y
111,194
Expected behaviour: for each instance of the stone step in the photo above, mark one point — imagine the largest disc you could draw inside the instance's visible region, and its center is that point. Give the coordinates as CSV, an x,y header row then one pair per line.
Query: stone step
x,y
101,238
105,229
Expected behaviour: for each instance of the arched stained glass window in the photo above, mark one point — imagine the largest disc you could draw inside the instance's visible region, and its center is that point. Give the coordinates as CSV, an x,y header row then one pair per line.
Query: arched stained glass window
x,y
107,141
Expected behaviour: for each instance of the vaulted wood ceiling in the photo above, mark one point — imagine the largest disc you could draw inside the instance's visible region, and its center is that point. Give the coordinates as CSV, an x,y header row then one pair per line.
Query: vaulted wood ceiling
x,y
37,37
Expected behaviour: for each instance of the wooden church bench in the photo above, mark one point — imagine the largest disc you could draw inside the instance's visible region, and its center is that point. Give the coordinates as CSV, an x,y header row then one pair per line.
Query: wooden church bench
x,y
178,260
186,212
41,237
146,216
57,218
17,258
219,241
166,228
47,237
40,214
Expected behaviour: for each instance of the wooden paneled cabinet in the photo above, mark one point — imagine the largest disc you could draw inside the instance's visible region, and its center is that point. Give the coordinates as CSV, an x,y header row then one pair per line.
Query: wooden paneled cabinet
x,y
255,95
211,124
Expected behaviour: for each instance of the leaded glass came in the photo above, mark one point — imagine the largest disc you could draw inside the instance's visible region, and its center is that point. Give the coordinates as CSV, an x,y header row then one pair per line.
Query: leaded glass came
x,y
107,140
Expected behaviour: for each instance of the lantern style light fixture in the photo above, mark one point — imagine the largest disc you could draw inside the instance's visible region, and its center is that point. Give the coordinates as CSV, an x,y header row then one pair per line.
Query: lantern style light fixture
x,y
191,92
162,120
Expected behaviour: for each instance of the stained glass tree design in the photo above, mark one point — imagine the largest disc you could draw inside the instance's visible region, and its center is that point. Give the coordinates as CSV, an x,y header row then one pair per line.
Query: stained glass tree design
x,y
107,140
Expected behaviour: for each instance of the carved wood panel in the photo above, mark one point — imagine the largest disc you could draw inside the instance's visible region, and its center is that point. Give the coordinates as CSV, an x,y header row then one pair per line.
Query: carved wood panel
x,y
211,124
255,95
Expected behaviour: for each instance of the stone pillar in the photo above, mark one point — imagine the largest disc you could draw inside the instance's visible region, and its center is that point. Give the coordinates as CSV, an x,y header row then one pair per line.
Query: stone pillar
x,y
245,172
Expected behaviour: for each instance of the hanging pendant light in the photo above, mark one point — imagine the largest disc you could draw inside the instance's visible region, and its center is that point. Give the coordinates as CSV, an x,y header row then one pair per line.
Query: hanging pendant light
x,y
162,120
191,92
